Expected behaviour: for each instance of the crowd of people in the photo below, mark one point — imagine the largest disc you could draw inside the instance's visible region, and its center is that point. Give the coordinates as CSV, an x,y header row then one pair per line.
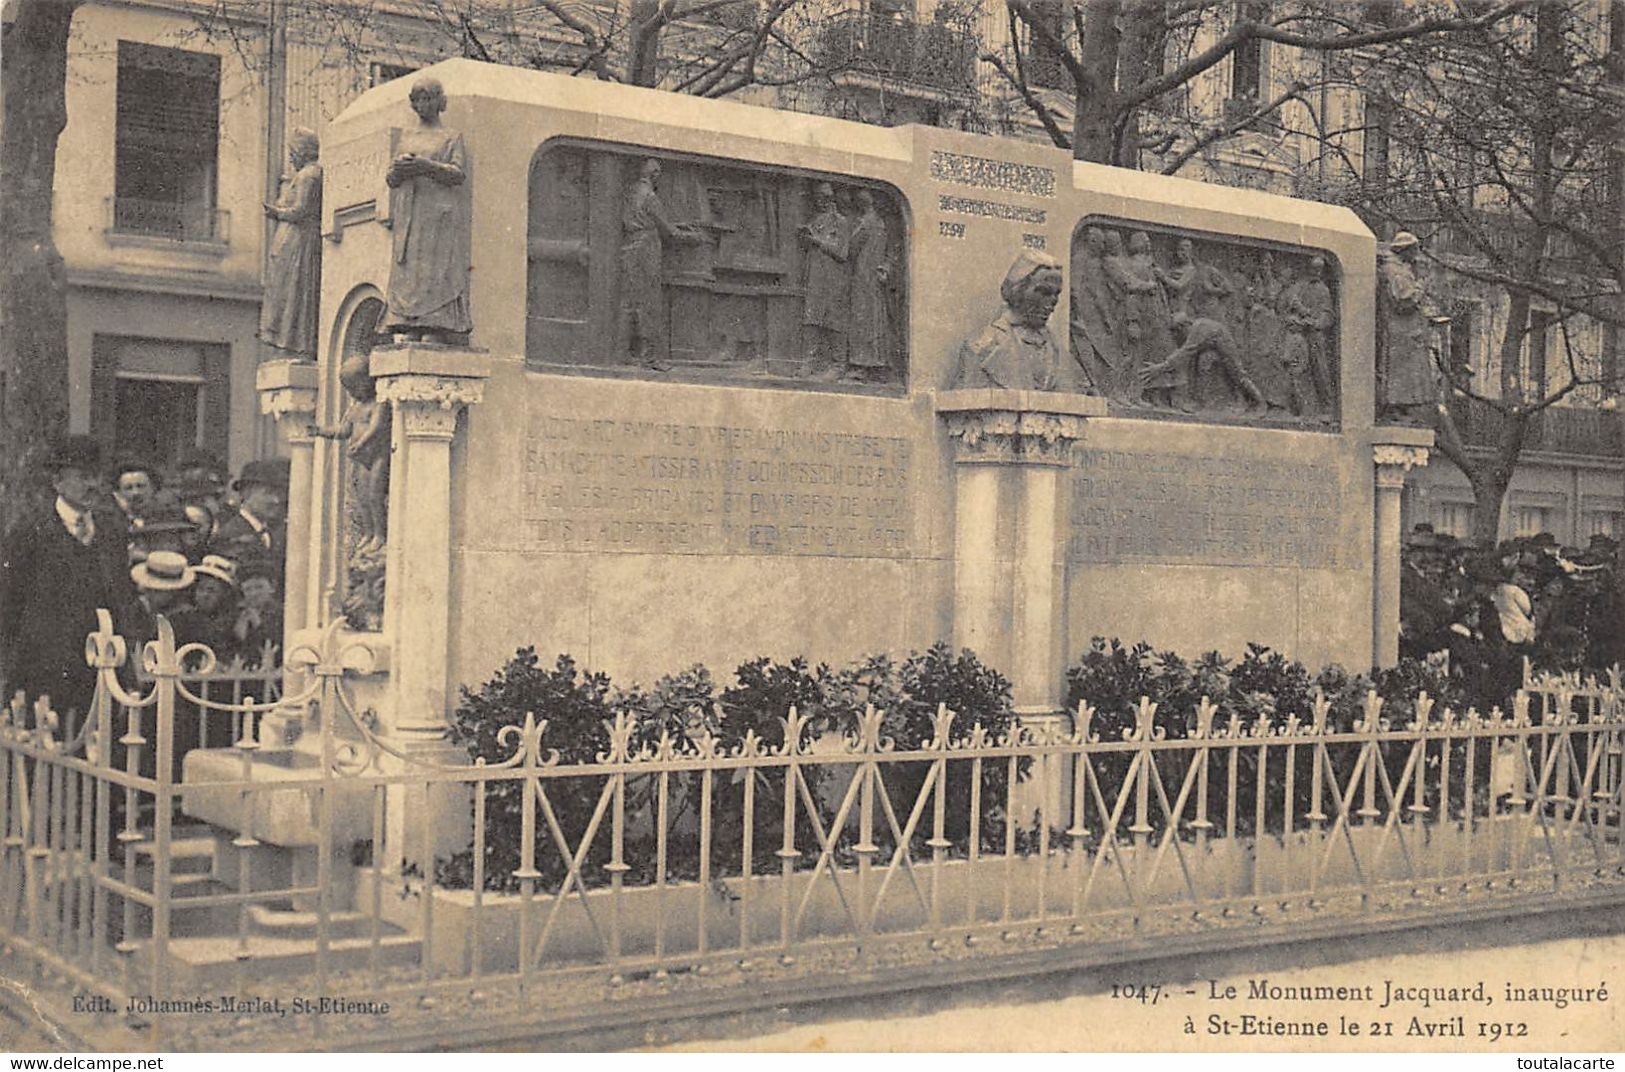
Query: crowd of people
x,y
141,540
1482,610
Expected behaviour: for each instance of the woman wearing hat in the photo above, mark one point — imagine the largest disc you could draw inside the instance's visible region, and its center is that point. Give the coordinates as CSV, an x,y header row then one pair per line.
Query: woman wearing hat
x,y
162,526
214,607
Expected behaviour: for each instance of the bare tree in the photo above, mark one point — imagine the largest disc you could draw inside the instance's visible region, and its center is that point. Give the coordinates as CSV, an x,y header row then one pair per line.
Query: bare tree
x,y
33,297
1499,149
1123,57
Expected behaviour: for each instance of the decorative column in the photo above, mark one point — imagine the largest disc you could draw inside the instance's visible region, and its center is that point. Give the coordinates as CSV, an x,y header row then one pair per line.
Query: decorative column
x,y
1011,452
427,385
1395,452
288,389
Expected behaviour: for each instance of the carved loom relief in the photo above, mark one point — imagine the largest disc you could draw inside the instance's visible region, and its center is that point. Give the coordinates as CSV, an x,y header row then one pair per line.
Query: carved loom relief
x,y
710,269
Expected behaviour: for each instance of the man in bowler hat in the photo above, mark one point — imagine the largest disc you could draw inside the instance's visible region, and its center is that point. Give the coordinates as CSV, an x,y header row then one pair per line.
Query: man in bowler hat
x,y
256,529
56,570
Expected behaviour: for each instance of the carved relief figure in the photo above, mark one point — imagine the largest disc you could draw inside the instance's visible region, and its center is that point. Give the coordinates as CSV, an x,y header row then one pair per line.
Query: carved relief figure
x,y
1407,383
1016,351
825,315
1174,381
644,230
1261,334
366,426
1094,331
869,351
1315,317
1208,325
429,211
1178,280
1305,308
293,273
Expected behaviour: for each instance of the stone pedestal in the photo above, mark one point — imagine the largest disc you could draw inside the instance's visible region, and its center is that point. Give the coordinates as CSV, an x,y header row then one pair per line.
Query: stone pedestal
x,y
1395,451
288,390
1011,451
427,386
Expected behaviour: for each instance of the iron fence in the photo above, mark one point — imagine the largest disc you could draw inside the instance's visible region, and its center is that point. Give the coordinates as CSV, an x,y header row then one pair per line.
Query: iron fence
x,y
674,873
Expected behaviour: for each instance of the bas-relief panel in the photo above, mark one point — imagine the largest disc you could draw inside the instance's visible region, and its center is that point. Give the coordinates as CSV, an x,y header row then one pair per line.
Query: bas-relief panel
x,y
1168,322
698,268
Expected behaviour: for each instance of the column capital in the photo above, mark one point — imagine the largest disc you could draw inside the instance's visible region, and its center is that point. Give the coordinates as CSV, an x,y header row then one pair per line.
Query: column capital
x,y
1396,451
429,384
994,426
287,388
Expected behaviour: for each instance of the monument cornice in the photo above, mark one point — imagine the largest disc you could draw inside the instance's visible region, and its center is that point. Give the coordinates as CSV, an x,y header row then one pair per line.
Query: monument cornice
x,y
1002,427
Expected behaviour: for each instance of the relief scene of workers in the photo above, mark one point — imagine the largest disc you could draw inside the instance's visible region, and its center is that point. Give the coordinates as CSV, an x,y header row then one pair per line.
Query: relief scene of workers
x,y
1181,323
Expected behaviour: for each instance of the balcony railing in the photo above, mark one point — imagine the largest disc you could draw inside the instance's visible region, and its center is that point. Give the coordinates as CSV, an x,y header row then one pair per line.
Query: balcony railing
x,y
1560,429
178,221
894,47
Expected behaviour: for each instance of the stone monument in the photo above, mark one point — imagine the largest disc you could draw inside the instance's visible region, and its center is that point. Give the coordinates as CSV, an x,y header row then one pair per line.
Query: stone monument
x,y
868,438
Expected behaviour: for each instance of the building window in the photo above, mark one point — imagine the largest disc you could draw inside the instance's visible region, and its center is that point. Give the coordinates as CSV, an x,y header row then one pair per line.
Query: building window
x,y
1535,355
1610,523
1462,330
1531,520
167,139
1249,67
1454,519
379,73
152,397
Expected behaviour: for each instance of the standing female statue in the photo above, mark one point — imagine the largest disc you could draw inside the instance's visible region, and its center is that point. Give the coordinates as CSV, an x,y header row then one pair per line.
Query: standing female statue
x,y
428,208
293,276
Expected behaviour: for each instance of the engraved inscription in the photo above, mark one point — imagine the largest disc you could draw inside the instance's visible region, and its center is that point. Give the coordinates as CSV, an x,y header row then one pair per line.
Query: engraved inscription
x,y
605,484
1033,241
993,210
947,229
992,174
352,176
1130,506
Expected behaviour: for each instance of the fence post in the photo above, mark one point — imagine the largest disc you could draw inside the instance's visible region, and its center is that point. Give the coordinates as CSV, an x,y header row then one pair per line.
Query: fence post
x,y
165,671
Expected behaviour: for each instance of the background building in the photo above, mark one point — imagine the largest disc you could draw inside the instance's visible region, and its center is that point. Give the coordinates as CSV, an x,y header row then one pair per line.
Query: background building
x,y
178,112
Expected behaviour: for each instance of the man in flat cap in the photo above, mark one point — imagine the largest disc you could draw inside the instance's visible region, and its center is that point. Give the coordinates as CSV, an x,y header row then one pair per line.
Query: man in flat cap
x,y
56,570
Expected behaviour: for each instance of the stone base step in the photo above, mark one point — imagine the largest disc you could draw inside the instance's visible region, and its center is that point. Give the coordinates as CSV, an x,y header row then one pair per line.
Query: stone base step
x,y
191,851
274,922
213,962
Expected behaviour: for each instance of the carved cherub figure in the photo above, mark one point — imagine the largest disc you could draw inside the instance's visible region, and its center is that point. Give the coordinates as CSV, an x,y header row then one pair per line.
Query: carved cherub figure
x,y
366,426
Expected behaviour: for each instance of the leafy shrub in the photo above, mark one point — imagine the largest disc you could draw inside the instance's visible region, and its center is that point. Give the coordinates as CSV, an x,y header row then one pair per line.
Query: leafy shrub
x,y
687,707
1263,689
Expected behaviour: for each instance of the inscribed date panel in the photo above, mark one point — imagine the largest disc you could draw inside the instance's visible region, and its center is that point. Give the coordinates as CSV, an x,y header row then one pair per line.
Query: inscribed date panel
x,y
599,483
1131,506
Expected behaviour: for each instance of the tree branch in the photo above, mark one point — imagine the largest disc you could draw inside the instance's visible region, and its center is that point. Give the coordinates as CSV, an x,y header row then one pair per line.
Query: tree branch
x,y
1225,130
